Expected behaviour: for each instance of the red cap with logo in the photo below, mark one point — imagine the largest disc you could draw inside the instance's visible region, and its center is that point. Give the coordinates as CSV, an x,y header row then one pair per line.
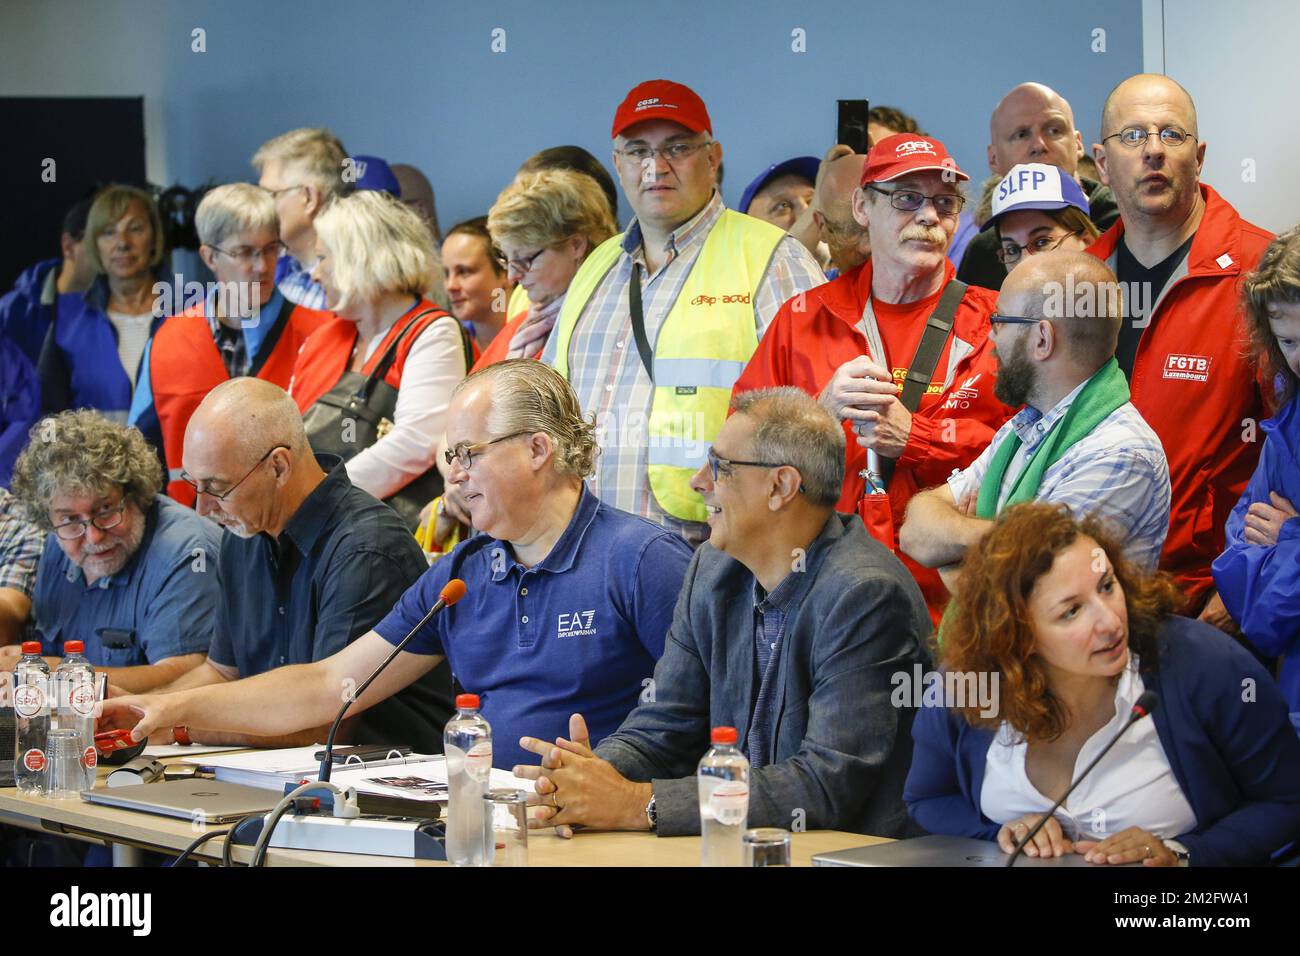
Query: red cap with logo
x,y
905,153
662,99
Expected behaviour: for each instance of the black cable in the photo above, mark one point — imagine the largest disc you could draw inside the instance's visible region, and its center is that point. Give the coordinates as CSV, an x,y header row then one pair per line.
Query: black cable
x,y
185,853
226,859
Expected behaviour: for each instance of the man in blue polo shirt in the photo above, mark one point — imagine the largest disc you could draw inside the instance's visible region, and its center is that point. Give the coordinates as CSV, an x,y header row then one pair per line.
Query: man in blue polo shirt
x,y
126,570
568,600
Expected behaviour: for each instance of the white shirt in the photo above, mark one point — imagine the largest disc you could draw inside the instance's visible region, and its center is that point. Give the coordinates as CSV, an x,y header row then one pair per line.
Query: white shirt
x,y
132,337
1133,785
435,364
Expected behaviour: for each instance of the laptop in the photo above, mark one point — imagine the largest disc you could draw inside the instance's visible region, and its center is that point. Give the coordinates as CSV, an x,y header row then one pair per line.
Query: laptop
x,y
210,801
934,850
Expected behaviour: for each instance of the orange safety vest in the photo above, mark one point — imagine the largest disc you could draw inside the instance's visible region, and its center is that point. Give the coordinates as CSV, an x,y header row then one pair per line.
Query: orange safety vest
x,y
184,365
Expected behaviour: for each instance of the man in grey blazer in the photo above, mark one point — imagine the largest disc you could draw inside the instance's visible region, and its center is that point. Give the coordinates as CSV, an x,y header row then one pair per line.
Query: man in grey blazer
x,y
791,622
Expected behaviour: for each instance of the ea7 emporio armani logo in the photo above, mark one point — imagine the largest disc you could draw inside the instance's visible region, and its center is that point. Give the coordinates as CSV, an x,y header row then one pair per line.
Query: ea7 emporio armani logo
x,y
576,624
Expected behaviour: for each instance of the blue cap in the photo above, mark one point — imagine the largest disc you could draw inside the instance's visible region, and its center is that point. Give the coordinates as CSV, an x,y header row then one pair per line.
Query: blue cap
x,y
805,166
374,173
1036,186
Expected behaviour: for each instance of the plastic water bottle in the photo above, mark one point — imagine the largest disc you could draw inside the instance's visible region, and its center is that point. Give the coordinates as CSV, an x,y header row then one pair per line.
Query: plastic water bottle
x,y
75,696
724,800
32,716
467,742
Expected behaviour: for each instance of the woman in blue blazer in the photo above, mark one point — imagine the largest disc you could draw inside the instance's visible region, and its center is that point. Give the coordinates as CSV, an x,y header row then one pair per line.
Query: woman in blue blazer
x,y
1258,574
1071,636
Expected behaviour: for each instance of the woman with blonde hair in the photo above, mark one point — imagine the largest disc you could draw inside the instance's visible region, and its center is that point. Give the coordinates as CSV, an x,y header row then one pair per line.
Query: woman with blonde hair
x,y
375,381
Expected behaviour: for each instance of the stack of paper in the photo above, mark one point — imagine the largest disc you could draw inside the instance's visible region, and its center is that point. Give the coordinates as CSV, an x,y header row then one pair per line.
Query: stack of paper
x,y
272,769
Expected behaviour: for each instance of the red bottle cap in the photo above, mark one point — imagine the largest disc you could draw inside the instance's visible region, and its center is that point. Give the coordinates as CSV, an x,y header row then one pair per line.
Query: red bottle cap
x,y
467,701
724,735
31,647
74,647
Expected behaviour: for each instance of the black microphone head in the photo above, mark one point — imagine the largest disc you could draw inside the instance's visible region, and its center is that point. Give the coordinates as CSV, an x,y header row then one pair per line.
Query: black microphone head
x,y
1148,702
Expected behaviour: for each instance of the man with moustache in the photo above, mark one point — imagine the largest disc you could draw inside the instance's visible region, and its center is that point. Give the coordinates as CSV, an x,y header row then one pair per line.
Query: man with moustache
x,y
1078,440
308,564
1180,252
854,341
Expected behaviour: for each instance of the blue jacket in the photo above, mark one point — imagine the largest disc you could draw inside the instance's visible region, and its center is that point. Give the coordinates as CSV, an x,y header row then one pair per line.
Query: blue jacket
x,y
20,405
22,317
87,344
1234,754
1260,585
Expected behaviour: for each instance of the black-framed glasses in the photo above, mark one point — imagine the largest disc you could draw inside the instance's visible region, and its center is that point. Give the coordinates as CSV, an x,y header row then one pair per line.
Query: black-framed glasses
x,y
673,152
909,200
105,519
1135,136
998,319
223,495
247,254
525,264
1010,251
465,451
719,465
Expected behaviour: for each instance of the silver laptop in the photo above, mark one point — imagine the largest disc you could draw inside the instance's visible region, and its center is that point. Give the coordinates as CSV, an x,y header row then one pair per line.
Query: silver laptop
x,y
938,851
208,801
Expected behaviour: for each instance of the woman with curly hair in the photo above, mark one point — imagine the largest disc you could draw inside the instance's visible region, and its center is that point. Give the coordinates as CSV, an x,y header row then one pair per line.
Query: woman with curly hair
x,y
1073,635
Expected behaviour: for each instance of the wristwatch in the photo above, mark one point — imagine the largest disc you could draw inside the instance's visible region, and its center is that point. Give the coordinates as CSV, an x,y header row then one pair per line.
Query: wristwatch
x,y
1180,851
652,814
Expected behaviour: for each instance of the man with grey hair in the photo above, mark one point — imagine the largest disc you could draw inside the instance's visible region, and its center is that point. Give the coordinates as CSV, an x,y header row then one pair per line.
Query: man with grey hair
x,y
1078,440
128,572
1032,124
790,624
568,600
242,326
303,170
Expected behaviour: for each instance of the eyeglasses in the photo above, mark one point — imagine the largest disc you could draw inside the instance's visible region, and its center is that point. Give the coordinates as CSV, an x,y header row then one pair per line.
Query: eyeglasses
x,y
223,495
524,265
1135,136
465,451
1010,251
673,152
247,254
104,520
909,200
724,465
996,319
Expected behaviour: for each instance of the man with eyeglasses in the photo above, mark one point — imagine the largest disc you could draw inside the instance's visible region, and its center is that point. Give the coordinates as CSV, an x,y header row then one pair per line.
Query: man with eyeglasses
x,y
243,326
792,626
303,170
1078,440
900,316
125,570
1033,124
660,319
1180,251
567,604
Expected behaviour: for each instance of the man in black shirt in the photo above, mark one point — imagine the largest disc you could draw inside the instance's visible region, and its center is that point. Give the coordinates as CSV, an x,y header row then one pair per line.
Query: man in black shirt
x,y
308,564
1142,288
1032,124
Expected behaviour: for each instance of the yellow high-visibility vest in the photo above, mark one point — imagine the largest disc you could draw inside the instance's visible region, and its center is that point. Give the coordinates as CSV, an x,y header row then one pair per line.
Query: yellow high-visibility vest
x,y
703,345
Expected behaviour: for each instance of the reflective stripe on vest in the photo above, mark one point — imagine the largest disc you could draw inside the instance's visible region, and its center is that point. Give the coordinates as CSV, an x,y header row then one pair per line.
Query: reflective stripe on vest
x,y
702,347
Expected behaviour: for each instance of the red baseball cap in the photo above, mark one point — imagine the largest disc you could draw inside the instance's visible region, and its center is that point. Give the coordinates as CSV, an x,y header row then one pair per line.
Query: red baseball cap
x,y
905,153
662,99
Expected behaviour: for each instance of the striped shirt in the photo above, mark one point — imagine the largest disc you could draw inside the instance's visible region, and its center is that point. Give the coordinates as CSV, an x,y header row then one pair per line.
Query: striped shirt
x,y
296,284
1116,472
605,367
20,546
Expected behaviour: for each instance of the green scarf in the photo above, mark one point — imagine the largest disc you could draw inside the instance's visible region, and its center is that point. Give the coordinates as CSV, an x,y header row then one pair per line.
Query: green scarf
x,y
1106,391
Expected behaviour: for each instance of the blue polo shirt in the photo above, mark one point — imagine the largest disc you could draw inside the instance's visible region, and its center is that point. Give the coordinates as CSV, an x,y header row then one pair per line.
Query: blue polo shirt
x,y
161,604
578,633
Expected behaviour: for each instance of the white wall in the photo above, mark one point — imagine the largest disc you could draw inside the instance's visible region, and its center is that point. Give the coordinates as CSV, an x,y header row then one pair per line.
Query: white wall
x,y
1239,62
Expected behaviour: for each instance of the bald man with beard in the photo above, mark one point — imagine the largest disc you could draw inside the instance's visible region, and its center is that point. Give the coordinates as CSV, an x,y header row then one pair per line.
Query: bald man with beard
x,y
832,211
1032,124
308,563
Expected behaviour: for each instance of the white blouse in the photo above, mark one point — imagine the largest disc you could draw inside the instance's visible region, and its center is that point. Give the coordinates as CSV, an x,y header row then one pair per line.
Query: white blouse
x,y
434,365
1133,785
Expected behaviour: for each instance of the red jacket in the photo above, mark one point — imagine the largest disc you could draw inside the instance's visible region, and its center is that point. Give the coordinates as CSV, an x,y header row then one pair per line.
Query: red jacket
x,y
184,365
1197,388
954,423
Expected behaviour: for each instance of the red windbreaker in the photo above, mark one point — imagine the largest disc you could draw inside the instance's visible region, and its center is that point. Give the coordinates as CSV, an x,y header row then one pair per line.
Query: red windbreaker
x,y
1195,384
954,423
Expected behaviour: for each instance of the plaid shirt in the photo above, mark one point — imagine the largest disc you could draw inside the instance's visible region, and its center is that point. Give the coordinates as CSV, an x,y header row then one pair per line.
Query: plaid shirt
x,y
296,284
605,367
20,547
1117,472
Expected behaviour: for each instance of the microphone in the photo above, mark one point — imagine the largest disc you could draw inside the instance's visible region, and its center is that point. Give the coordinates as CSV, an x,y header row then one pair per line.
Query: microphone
x,y
451,592
1147,703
